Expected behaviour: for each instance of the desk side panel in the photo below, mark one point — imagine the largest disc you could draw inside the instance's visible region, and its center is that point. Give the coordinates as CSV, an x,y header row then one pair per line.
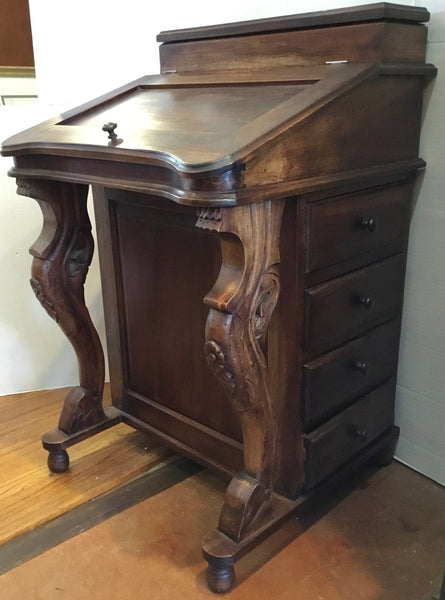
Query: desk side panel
x,y
376,123
156,268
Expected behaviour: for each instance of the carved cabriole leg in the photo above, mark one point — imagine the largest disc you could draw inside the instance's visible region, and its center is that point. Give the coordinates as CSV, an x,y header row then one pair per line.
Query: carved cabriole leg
x,y
61,258
241,304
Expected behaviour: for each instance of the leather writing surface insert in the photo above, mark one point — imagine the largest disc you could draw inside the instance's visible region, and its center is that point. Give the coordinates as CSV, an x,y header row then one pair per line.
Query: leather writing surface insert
x,y
192,123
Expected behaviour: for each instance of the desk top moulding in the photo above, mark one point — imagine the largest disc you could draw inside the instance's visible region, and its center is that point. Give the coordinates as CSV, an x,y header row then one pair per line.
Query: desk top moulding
x,y
245,198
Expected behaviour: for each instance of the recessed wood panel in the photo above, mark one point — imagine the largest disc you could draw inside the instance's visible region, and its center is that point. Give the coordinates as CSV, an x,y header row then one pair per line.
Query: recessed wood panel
x,y
166,271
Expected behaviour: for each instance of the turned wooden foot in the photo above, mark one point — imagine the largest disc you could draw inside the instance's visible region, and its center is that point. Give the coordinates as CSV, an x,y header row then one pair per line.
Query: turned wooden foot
x,y
57,441
384,457
58,461
220,575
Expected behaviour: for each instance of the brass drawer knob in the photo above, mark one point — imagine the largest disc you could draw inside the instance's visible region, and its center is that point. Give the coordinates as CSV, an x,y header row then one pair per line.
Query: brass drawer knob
x,y
369,223
366,301
361,434
361,366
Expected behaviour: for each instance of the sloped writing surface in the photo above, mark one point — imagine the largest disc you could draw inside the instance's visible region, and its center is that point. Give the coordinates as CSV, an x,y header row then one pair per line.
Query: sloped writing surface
x,y
210,108
195,124
191,124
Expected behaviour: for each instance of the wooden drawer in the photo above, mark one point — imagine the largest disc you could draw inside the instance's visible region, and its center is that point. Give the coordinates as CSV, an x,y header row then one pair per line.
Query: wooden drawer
x,y
343,228
340,438
347,306
335,379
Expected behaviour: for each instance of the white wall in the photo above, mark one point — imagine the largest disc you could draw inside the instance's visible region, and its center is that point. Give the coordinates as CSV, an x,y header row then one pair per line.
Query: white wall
x,y
420,406
34,354
97,47
84,48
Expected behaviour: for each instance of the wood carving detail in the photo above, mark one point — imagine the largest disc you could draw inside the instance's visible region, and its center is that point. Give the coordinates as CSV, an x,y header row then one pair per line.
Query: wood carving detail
x,y
61,258
24,187
269,292
40,295
241,304
217,363
79,259
209,218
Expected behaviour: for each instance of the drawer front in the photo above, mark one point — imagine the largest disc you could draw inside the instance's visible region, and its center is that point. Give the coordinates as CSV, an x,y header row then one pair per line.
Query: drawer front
x,y
345,307
344,228
337,378
340,438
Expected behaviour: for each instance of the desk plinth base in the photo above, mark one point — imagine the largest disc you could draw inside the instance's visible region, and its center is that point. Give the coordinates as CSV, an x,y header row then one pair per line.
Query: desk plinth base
x,y
57,441
221,552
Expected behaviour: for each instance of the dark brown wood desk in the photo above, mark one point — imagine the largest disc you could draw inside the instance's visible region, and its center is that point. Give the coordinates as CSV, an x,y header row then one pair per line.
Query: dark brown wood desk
x,y
269,170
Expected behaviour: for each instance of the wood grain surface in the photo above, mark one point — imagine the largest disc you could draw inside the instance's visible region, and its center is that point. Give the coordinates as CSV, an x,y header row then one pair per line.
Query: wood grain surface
x,y
29,494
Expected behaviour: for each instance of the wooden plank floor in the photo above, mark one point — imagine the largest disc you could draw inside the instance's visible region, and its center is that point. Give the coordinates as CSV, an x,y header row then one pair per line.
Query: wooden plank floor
x,y
29,494
380,536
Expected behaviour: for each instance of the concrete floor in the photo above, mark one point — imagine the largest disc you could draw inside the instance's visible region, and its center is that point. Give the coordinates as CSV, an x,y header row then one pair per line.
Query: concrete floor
x,y
381,537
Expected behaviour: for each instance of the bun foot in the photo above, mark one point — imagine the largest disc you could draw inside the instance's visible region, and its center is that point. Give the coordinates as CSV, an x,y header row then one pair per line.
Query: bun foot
x,y
220,579
58,461
384,458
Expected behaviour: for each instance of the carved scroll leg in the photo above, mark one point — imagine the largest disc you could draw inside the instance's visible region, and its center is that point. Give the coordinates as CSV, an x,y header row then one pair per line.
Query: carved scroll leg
x,y
61,258
241,304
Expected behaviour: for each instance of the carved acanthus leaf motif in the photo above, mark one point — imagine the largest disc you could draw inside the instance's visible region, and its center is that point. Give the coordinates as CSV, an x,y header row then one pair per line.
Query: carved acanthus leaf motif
x,y
24,187
31,188
209,218
77,262
217,363
44,301
268,294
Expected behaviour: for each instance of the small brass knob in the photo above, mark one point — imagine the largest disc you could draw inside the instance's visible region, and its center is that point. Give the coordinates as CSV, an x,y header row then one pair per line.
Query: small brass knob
x,y
109,128
370,224
361,434
366,301
361,366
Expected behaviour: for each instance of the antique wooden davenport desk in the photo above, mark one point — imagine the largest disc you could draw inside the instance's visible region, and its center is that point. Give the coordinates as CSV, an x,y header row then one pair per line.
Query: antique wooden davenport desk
x,y
269,170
